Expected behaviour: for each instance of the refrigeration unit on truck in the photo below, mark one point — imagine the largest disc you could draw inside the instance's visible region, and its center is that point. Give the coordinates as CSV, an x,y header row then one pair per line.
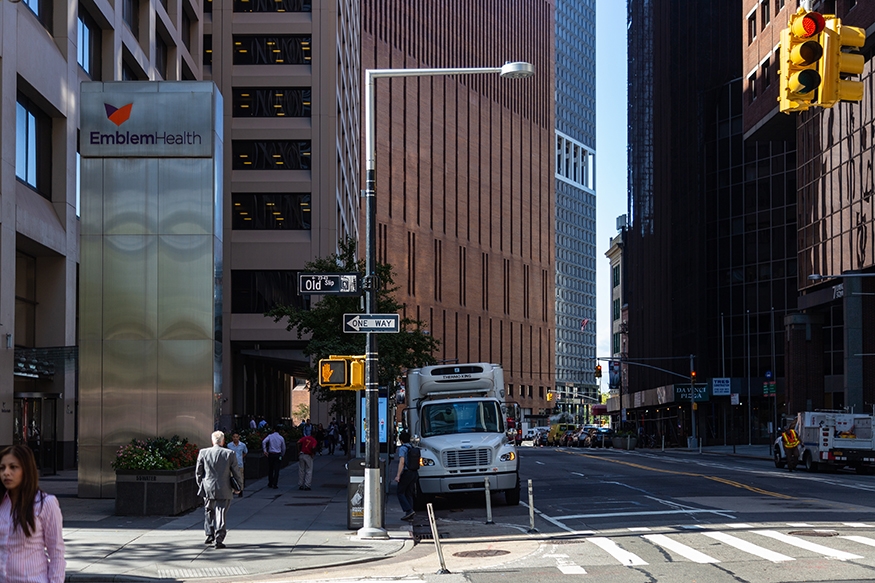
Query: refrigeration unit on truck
x,y
833,439
458,414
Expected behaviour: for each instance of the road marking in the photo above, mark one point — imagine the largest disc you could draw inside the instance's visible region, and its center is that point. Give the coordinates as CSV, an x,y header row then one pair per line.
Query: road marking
x,y
571,569
641,513
800,525
539,463
679,548
578,474
625,557
640,529
726,481
857,524
863,540
738,525
807,545
747,547
547,518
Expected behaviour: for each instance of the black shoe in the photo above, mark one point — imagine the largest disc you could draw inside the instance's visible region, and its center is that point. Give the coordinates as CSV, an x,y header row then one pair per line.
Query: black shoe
x,y
409,515
220,545
240,495
209,540
306,487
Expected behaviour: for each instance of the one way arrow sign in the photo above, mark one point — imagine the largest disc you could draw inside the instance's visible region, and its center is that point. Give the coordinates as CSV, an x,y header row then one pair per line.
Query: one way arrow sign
x,y
371,323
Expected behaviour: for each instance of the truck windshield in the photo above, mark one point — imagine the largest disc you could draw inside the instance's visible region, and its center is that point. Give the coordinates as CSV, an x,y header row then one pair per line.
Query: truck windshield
x,y
462,417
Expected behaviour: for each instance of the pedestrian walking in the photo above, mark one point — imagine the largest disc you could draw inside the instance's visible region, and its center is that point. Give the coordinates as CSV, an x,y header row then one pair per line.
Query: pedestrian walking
x,y
239,448
319,434
791,444
407,475
218,479
306,448
31,537
274,448
331,437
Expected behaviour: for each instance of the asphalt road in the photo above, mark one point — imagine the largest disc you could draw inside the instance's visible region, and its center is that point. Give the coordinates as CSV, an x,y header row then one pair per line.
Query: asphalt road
x,y
644,516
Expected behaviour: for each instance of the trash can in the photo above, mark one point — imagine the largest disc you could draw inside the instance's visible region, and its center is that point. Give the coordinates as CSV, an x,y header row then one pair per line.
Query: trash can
x,y
355,493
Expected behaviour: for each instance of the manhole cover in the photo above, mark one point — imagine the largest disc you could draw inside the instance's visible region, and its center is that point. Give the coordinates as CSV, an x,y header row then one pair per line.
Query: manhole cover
x,y
825,533
481,553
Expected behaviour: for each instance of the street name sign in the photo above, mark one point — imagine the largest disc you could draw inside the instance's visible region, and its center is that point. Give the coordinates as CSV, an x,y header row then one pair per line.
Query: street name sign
x,y
371,323
336,284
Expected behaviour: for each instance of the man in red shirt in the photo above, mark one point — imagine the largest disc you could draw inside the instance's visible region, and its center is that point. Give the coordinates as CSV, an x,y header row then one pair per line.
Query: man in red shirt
x,y
306,448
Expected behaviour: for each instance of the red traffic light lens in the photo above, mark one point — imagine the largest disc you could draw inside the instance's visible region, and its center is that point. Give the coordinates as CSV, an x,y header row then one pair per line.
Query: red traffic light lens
x,y
812,23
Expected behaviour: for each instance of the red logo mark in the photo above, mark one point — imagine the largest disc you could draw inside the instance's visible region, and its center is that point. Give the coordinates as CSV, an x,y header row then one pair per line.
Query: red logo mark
x,y
120,115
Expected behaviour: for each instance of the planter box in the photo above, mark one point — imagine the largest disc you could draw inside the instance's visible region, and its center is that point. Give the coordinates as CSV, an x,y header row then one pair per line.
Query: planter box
x,y
155,492
624,442
255,466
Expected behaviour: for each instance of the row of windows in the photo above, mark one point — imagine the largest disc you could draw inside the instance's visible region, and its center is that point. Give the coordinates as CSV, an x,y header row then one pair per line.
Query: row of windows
x,y
271,212
272,102
270,154
266,6
765,18
759,81
249,49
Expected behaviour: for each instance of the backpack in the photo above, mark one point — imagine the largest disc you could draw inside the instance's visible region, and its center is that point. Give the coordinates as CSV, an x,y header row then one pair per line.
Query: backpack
x,y
411,460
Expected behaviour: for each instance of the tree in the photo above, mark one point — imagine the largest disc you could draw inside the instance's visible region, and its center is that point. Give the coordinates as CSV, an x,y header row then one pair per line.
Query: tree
x,y
301,413
412,347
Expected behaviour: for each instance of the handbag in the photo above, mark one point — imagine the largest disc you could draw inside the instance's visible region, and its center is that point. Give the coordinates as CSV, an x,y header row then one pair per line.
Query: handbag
x,y
235,485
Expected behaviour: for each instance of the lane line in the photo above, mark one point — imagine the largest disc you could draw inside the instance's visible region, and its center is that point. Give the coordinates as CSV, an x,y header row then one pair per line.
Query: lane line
x,y
624,556
748,547
863,540
679,548
641,513
807,545
857,524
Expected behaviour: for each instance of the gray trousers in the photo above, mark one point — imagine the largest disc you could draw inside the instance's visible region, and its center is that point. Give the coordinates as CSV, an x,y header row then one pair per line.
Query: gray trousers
x,y
305,470
214,517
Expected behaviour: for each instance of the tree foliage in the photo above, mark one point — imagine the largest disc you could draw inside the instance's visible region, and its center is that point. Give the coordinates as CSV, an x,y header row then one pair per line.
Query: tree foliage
x,y
412,347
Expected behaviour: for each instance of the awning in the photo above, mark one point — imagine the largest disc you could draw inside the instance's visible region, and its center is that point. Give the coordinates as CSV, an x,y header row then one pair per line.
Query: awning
x,y
599,409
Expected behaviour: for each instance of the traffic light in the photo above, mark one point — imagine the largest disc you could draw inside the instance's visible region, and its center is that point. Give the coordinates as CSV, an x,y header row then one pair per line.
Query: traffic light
x,y
332,372
598,371
693,376
342,372
800,52
549,396
837,63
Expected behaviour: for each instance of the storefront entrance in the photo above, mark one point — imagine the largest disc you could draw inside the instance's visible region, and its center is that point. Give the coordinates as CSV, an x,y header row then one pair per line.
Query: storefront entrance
x,y
35,425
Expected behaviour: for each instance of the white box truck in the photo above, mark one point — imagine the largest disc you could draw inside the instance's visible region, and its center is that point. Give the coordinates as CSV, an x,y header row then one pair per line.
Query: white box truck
x,y
457,415
832,440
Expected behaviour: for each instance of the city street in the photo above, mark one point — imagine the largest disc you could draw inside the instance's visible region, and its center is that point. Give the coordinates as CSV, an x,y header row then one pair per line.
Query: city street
x,y
647,515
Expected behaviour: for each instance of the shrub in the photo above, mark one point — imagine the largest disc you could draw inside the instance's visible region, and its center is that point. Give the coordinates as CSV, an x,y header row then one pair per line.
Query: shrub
x,y
156,453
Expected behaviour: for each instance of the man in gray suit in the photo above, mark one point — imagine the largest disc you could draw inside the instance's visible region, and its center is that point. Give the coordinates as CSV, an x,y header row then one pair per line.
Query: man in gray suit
x,y
215,467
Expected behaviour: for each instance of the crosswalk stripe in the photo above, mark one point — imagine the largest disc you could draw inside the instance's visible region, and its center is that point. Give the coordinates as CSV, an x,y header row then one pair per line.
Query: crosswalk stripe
x,y
748,547
857,524
863,540
807,545
679,548
571,569
624,556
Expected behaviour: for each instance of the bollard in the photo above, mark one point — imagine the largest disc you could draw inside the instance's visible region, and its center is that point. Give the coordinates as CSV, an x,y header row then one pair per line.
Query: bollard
x,y
437,540
700,445
532,528
488,500
663,444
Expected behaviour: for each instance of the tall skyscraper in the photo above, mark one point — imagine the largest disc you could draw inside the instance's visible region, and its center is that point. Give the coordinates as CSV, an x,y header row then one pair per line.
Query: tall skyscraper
x,y
465,180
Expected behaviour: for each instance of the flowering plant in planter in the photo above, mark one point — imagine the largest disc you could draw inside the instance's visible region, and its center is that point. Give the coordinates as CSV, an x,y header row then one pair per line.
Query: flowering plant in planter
x,y
156,453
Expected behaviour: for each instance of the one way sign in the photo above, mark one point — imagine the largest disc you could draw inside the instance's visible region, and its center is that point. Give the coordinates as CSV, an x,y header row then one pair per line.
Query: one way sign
x,y
371,323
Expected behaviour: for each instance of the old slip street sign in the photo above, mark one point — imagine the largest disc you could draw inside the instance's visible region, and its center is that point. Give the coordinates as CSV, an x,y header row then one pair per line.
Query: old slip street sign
x,y
371,322
338,284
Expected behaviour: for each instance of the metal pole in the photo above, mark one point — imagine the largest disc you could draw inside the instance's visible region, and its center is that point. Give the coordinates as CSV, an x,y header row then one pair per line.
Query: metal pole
x,y
774,378
488,500
437,540
749,419
532,528
692,398
373,512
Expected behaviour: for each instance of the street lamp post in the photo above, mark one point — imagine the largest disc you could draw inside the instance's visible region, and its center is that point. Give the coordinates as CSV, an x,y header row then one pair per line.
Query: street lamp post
x,y
373,523
852,297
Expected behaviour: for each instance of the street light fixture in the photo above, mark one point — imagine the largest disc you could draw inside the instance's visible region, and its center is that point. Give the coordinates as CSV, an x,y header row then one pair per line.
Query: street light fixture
x,y
820,277
373,527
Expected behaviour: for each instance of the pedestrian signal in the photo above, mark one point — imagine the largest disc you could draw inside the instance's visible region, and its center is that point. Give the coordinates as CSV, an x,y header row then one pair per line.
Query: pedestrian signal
x,y
837,63
801,50
332,372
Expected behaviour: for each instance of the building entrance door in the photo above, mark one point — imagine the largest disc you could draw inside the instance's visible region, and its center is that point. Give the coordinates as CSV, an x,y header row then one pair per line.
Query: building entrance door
x,y
34,424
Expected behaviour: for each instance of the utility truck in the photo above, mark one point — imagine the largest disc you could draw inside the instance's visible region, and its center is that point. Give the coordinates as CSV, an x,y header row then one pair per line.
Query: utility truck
x,y
457,415
832,440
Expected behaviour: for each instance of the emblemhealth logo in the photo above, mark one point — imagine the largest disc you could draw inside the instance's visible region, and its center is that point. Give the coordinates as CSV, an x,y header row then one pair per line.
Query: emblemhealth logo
x,y
119,115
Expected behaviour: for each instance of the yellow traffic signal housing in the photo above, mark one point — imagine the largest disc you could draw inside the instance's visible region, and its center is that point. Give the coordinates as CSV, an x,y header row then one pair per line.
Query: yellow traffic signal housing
x,y
598,371
332,372
357,374
549,396
837,63
800,52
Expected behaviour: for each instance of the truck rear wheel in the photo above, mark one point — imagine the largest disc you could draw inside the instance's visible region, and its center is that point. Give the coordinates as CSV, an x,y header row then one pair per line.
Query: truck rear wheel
x,y
810,465
512,496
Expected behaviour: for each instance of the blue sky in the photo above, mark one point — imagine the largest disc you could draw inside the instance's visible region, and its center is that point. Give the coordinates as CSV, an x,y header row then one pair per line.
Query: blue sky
x,y
610,150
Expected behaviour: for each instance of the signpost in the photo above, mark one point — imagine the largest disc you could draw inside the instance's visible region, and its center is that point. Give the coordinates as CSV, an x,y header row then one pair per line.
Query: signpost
x,y
353,323
721,386
337,284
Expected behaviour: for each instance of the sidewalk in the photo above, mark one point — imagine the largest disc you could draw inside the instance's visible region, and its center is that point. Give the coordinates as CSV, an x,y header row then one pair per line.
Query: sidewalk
x,y
758,451
269,532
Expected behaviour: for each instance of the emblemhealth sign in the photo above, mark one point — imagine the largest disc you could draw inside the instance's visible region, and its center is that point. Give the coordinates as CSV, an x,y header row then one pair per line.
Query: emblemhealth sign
x,y
124,119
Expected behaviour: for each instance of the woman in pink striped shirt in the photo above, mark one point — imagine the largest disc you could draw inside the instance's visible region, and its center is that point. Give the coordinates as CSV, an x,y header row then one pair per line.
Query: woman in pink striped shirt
x,y
31,533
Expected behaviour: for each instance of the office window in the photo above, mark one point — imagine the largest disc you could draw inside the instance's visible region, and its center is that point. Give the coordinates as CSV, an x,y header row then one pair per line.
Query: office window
x,y
271,154
256,292
271,212
271,50
43,11
764,73
131,15
208,6
616,311
751,28
161,56
615,275
273,5
272,102
616,344
185,30
33,146
208,50
88,50
766,14
25,300
779,4
752,86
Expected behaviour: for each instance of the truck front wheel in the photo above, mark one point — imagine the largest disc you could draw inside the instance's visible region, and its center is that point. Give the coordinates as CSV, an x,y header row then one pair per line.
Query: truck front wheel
x,y
512,496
